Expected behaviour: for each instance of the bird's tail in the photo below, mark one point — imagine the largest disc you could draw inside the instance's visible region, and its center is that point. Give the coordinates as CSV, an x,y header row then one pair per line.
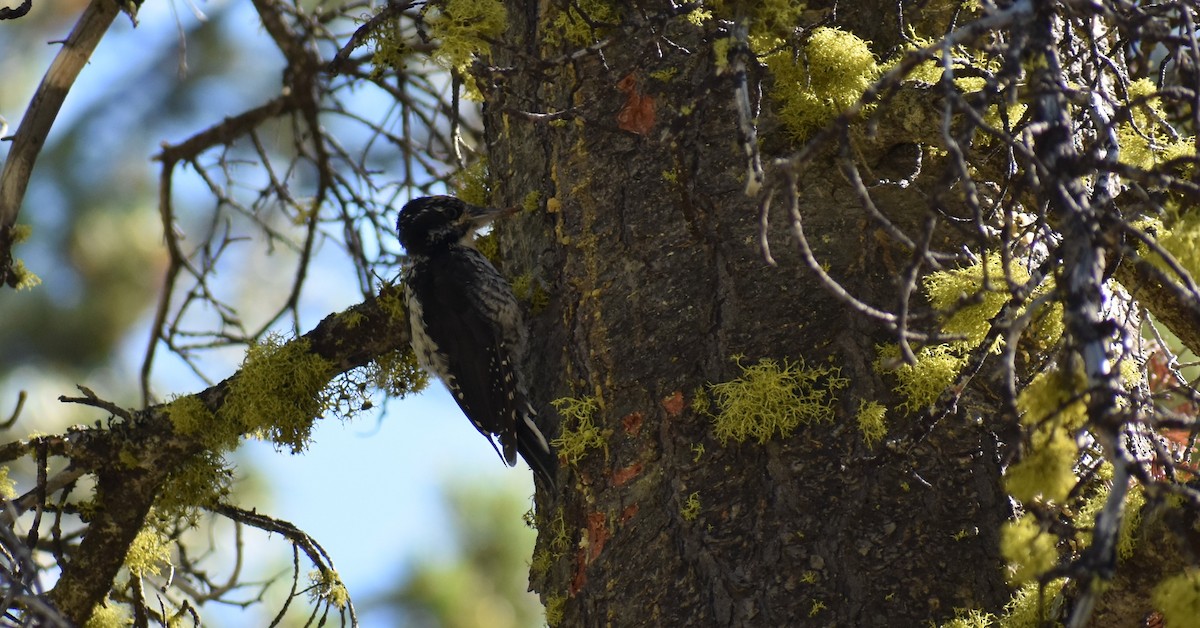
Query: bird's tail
x,y
537,451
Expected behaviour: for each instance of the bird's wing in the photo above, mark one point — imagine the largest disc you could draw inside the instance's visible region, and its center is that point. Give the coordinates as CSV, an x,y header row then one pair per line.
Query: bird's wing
x,y
467,309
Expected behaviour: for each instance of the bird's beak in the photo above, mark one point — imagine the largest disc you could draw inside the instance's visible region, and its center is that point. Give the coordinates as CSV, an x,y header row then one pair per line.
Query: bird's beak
x,y
477,217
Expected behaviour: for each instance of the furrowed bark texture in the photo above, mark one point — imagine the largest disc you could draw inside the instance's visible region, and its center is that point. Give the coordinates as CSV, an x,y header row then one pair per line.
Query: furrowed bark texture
x,y
647,248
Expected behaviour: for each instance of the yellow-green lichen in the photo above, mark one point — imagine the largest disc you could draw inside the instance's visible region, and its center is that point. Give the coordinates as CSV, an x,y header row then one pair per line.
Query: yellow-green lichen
x,y
279,392
920,384
1146,141
148,553
1054,396
471,183
581,23
691,507
872,421
398,374
462,28
25,279
1031,604
768,19
20,233
108,614
1135,499
554,548
1178,598
969,297
8,488
973,618
529,291
389,44
1046,473
1182,241
201,481
327,587
833,73
1029,550
816,608
532,201
580,434
771,400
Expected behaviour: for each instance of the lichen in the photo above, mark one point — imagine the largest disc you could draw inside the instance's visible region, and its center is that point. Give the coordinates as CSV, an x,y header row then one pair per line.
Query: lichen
x,y
148,553
531,201
1144,139
462,29
1178,598
1046,473
529,291
691,507
8,488
554,548
1182,241
1029,550
398,374
108,614
471,183
580,434
25,279
833,73
973,618
921,383
327,587
199,482
581,23
1030,604
279,392
770,400
872,421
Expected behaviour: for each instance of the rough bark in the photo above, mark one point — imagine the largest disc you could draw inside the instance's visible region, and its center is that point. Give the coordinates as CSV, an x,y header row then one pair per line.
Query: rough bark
x,y
647,246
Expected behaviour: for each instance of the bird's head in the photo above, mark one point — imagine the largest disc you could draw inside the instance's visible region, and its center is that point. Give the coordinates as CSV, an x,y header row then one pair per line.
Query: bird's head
x,y
432,222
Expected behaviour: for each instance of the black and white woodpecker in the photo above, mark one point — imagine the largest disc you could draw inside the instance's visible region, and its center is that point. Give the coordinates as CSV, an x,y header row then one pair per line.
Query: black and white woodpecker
x,y
467,327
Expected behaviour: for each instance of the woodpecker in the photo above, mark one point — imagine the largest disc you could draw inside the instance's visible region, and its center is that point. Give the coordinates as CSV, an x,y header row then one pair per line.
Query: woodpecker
x,y
467,328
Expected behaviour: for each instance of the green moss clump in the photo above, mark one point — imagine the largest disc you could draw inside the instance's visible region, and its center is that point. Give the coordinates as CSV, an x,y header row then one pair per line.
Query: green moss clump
x,y
1178,598
836,69
554,609
580,433
769,400
280,392
1029,550
872,421
532,201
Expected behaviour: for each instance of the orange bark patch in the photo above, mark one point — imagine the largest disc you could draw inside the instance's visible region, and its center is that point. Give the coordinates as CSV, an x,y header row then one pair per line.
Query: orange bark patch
x,y
598,534
673,404
629,513
632,422
637,115
622,476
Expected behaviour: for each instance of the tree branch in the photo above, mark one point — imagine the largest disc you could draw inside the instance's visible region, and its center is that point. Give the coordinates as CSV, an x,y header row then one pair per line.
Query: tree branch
x,y
40,116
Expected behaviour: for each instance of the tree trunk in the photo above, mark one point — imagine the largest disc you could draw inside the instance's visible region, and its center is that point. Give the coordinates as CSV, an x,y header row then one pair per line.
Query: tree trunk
x,y
647,247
